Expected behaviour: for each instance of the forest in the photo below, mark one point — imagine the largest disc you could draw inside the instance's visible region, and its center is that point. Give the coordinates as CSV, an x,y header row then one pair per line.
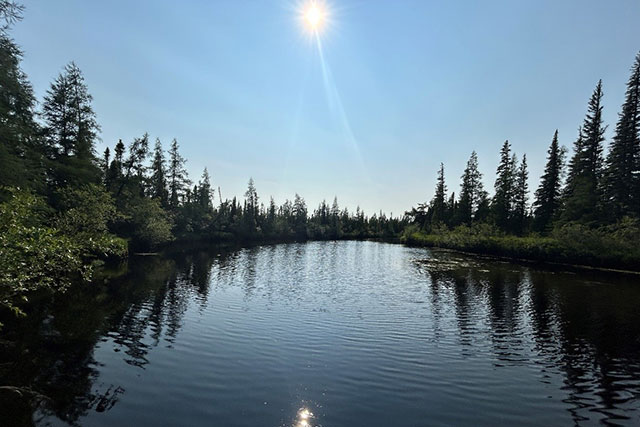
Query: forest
x,y
65,209
585,210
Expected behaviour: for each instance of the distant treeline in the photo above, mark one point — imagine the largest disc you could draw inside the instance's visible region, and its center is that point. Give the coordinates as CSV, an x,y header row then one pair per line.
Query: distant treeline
x,y
64,209
585,210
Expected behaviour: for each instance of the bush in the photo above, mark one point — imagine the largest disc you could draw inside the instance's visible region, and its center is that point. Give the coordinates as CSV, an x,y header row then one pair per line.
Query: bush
x,y
150,223
36,256
612,246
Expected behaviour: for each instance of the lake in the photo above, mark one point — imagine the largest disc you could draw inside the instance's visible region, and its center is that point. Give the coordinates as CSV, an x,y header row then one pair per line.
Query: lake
x,y
344,333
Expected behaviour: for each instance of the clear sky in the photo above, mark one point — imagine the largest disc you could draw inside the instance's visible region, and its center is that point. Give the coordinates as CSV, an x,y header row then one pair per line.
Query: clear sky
x,y
405,85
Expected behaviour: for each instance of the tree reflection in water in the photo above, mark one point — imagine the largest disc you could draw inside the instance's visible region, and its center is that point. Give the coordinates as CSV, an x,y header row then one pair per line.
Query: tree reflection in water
x,y
547,324
588,333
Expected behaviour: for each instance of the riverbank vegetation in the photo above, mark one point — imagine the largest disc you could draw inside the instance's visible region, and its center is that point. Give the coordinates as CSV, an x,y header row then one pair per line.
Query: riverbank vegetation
x,y
64,208
585,211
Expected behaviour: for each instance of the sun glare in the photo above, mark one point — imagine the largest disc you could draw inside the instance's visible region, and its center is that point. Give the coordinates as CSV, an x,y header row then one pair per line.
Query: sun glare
x,y
314,15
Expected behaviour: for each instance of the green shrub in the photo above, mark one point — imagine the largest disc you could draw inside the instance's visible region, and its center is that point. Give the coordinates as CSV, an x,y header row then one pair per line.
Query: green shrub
x,y
36,256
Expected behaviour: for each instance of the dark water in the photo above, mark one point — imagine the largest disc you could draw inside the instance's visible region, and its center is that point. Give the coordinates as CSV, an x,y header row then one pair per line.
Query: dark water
x,y
331,334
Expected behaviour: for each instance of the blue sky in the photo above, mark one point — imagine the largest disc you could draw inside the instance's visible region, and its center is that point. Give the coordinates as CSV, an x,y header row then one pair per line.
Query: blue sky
x,y
406,85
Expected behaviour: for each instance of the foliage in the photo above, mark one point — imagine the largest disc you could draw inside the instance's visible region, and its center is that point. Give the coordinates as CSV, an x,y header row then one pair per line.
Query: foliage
x,y
151,224
548,195
622,181
36,256
613,246
87,209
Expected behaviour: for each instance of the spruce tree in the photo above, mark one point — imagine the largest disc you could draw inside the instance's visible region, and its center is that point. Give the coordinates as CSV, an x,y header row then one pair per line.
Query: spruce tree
x,y
335,218
585,179
20,151
204,194
114,174
251,207
133,168
520,197
71,126
622,174
299,213
104,165
177,175
548,195
158,180
472,193
70,129
504,188
575,164
439,202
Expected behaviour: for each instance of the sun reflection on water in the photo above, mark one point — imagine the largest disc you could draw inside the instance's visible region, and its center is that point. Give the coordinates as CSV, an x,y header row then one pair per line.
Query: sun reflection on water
x,y
304,416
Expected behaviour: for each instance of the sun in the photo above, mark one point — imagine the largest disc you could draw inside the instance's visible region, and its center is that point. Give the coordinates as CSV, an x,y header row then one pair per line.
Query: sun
x,y
314,15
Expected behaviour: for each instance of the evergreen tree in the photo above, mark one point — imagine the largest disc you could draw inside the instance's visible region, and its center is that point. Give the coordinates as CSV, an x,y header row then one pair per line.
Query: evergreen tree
x,y
10,13
585,180
472,193
335,218
20,153
521,197
71,125
204,193
300,216
133,168
70,129
439,202
250,215
452,208
549,193
177,175
104,165
114,174
575,164
622,186
504,188
158,178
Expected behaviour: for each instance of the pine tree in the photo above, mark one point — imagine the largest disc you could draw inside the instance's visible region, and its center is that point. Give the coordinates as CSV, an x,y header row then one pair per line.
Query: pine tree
x,y
504,188
158,180
177,175
622,166
585,176
548,195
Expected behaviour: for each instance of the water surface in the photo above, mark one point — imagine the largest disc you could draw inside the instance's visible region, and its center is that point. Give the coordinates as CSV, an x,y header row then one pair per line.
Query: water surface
x,y
333,334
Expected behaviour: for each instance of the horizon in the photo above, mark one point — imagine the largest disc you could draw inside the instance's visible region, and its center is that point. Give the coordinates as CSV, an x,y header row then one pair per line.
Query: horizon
x,y
365,131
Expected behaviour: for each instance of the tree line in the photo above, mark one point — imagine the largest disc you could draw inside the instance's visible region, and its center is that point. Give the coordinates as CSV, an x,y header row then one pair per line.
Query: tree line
x,y
64,208
591,190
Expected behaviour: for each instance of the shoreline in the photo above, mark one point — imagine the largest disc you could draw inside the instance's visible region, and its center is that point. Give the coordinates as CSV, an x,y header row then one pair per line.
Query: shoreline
x,y
206,244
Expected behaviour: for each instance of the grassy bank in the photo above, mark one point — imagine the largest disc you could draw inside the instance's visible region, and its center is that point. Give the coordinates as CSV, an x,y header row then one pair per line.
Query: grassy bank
x,y
606,247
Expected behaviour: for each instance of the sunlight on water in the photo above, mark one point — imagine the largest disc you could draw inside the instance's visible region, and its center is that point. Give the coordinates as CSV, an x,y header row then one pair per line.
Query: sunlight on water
x,y
304,415
338,333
